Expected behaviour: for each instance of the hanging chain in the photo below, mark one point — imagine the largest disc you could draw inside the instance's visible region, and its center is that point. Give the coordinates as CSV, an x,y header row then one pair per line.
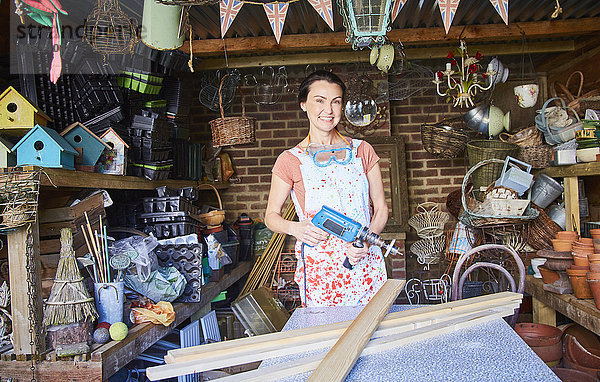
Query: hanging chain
x,y
34,328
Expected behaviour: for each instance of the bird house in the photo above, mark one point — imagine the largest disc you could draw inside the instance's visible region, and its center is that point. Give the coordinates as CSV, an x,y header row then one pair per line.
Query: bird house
x,y
18,114
44,147
114,160
7,156
86,143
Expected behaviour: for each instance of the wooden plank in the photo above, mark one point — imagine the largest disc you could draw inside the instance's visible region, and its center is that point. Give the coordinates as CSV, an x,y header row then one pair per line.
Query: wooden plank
x,y
116,354
53,229
572,204
579,169
52,246
542,313
583,312
413,53
341,358
318,332
294,345
408,36
19,299
51,215
81,179
302,365
52,371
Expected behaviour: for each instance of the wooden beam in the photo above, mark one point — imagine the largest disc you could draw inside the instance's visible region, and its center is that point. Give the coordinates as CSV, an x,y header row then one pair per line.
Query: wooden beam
x,y
408,36
585,48
542,313
211,360
306,364
52,371
351,56
341,358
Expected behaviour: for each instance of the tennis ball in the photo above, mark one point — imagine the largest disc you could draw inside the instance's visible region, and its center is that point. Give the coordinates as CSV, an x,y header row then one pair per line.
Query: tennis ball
x,y
101,335
103,325
118,331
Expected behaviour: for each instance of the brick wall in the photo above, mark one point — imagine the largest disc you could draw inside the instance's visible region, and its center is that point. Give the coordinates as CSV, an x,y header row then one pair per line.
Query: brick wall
x,y
282,125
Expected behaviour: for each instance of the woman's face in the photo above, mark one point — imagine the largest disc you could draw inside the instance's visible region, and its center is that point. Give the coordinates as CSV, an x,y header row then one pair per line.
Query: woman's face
x,y
323,105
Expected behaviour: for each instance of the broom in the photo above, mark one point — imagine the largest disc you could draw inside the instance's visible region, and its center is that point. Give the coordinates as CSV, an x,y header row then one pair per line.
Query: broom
x,y
69,300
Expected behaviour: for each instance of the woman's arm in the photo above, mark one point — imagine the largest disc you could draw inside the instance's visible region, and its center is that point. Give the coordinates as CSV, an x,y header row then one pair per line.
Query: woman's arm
x,y
380,208
304,231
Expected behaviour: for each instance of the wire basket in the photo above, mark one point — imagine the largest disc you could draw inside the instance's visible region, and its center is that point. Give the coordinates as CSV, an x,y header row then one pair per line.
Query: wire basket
x,y
542,230
536,156
429,250
227,131
481,150
429,221
445,139
472,218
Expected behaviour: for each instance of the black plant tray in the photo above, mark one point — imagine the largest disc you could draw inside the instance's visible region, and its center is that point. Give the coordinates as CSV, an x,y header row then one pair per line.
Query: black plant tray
x,y
187,259
169,204
190,193
168,230
167,217
145,154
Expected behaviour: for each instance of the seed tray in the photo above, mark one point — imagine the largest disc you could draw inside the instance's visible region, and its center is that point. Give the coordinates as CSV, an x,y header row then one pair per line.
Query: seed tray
x,y
152,170
169,204
161,135
190,193
144,154
166,217
166,230
187,259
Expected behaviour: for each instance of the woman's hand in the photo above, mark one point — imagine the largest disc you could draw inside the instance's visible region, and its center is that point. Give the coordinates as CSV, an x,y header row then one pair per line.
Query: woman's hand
x,y
307,233
356,254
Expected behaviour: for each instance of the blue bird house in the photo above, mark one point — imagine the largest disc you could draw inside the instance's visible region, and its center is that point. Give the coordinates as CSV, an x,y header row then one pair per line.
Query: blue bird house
x,y
44,147
86,143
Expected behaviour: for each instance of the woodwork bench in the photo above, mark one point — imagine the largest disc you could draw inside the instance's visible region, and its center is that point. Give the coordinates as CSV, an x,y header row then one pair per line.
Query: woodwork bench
x,y
546,304
486,352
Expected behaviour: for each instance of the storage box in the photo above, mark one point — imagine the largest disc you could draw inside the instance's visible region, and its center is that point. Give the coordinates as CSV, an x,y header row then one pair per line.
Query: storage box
x,y
260,312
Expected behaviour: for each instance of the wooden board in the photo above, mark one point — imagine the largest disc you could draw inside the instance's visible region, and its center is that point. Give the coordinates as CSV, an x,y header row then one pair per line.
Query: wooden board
x,y
53,229
579,169
583,312
52,371
51,215
341,358
19,301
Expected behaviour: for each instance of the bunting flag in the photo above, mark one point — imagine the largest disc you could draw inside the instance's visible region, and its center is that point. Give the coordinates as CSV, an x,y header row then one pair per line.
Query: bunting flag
x,y
398,4
502,9
276,13
325,10
229,9
448,10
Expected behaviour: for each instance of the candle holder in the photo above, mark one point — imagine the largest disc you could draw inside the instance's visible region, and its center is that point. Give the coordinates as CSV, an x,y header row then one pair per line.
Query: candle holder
x,y
462,83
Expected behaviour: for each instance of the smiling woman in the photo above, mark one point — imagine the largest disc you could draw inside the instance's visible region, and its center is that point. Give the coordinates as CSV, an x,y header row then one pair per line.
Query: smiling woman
x,y
329,169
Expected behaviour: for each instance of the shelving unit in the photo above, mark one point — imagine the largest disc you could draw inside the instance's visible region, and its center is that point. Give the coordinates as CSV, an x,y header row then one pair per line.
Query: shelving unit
x,y
571,173
107,359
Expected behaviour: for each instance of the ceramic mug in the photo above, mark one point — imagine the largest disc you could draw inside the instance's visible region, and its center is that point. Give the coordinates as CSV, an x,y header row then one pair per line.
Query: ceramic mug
x,y
527,95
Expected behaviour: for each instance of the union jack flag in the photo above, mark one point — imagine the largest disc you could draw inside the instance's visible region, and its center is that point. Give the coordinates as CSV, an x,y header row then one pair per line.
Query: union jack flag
x,y
502,9
276,13
398,4
324,9
229,9
448,10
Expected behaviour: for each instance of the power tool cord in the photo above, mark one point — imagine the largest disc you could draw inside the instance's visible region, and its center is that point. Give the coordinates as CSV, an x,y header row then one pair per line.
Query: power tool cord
x,y
304,269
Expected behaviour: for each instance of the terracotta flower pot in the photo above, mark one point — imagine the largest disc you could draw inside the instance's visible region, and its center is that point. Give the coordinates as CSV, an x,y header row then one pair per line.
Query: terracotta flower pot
x,y
594,257
579,283
594,266
592,275
594,285
583,251
585,241
580,268
544,340
596,244
572,375
580,354
595,231
567,235
585,337
561,245
548,276
581,261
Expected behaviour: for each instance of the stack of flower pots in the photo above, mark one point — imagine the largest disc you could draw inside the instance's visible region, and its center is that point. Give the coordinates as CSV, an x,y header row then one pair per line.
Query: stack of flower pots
x,y
581,249
593,277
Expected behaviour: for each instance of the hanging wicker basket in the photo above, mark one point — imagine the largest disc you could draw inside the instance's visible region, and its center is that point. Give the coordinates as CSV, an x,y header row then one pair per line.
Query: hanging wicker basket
x,y
470,217
430,250
536,156
227,131
445,139
530,136
429,221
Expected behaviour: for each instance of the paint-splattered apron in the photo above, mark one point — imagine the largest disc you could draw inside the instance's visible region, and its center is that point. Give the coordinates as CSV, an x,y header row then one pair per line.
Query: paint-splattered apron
x,y
344,188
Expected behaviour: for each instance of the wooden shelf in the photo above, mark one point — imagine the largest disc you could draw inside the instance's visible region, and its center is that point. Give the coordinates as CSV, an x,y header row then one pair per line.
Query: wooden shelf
x,y
579,169
583,312
107,359
81,179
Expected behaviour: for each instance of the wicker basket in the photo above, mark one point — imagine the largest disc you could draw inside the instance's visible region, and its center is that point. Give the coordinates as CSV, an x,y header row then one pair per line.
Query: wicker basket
x,y
481,150
536,156
542,230
214,217
578,101
227,131
429,221
472,218
445,139
529,136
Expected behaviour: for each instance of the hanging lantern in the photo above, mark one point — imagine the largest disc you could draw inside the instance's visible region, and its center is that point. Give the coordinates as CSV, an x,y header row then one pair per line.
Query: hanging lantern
x,y
108,30
366,21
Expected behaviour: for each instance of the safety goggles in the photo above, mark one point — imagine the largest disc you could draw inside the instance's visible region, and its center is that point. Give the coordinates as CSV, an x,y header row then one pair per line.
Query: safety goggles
x,y
325,155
